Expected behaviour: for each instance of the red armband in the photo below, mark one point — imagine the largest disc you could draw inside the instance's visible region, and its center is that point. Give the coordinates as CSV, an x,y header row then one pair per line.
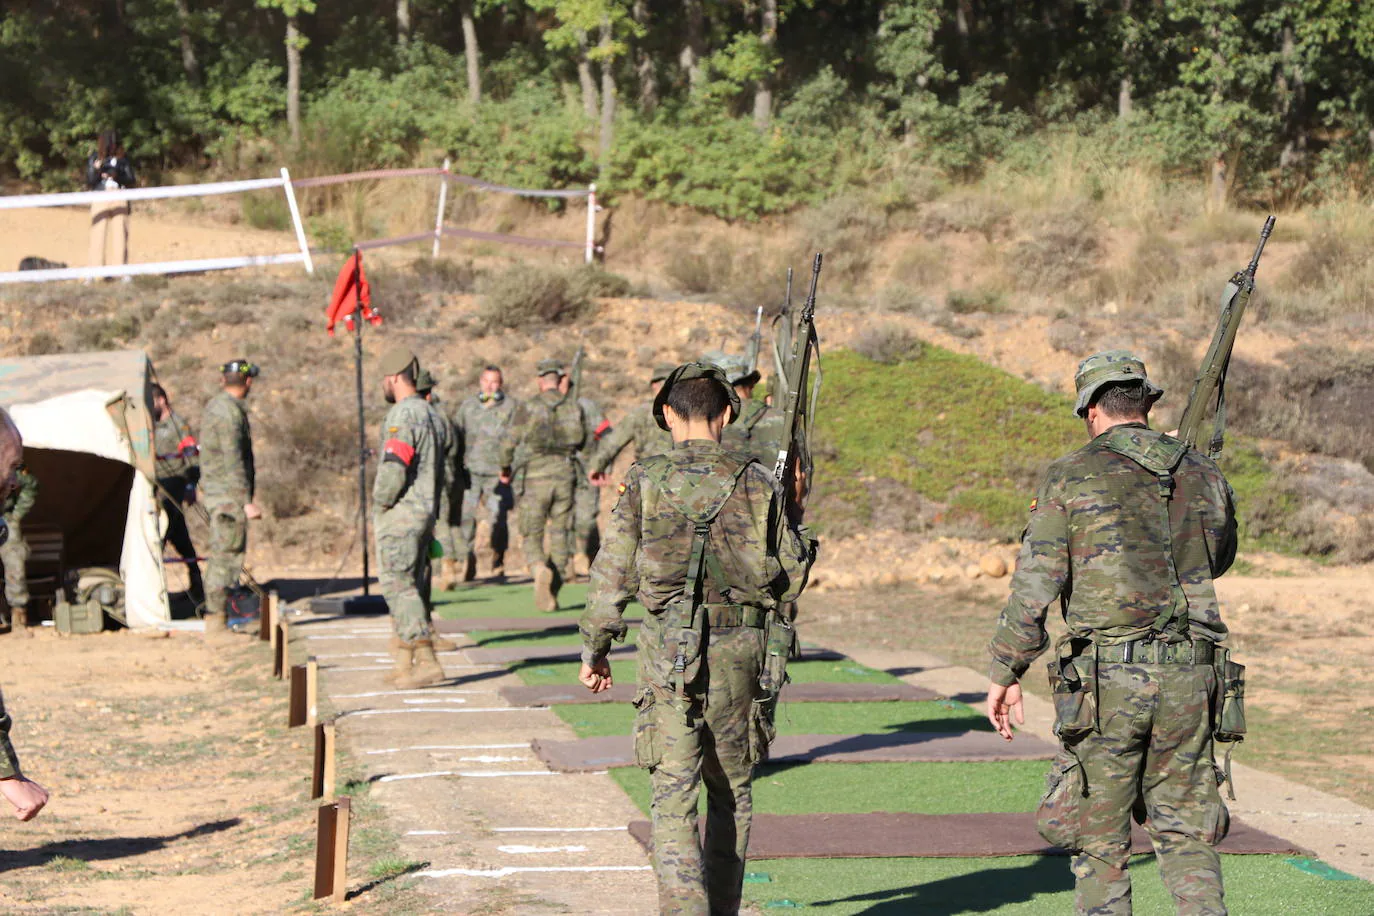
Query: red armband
x,y
188,446
396,450
601,430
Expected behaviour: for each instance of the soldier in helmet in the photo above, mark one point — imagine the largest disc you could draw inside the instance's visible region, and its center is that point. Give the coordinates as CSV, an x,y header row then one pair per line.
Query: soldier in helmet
x,y
405,502
228,479
586,497
638,428
1127,534
14,552
443,530
538,453
705,540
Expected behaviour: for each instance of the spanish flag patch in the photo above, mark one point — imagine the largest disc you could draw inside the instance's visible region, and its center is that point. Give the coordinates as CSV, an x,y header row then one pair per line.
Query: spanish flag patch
x,y
620,489
1034,502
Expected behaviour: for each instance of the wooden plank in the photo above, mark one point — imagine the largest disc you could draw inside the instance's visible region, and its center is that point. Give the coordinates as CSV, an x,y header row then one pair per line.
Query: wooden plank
x,y
344,819
326,831
317,765
267,618
330,780
312,692
296,712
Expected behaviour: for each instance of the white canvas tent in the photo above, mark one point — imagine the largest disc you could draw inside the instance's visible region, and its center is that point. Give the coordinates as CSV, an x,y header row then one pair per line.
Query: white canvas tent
x,y
86,419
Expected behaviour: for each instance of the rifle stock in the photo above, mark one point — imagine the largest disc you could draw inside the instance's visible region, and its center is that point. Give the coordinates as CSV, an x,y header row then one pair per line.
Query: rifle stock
x,y
794,365
1210,383
751,352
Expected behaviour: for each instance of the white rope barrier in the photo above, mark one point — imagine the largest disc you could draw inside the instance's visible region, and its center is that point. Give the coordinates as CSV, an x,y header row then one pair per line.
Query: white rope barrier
x,y
153,267
26,201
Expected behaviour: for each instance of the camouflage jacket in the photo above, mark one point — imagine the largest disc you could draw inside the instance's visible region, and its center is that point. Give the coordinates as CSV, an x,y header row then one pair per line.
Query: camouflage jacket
x,y
453,449
22,497
638,427
227,473
594,426
647,545
756,432
178,453
1105,541
410,474
9,761
545,436
480,431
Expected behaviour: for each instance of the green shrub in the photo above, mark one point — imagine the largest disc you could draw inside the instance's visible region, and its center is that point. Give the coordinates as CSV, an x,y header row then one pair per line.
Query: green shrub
x,y
968,302
889,345
695,270
266,210
525,295
592,282
43,343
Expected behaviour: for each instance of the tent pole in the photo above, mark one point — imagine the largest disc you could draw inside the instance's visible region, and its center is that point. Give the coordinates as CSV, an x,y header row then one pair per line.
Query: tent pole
x,y
362,430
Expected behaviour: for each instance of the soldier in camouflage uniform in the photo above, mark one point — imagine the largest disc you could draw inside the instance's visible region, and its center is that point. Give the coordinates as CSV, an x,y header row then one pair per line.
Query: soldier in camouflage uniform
x,y
638,427
538,453
227,481
586,498
443,532
178,470
14,553
481,423
1127,533
758,430
704,539
405,502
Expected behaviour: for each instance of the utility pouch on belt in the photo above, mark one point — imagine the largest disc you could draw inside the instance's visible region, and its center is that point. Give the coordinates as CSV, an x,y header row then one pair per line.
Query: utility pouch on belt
x,y
1073,684
1228,709
781,637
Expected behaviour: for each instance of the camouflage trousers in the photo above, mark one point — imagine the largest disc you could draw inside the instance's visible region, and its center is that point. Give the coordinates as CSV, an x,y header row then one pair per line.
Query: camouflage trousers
x,y
403,574
485,496
228,544
547,502
14,555
586,504
179,535
702,738
1151,754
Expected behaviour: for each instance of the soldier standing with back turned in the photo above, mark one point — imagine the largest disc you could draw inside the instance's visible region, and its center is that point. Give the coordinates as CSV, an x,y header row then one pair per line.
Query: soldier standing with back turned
x,y
704,539
14,553
425,383
178,472
758,430
1127,533
228,477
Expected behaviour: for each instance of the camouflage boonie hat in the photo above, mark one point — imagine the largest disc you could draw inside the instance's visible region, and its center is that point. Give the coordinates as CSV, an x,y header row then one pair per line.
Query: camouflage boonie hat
x,y
550,367
397,360
1107,367
736,369
425,381
686,374
661,372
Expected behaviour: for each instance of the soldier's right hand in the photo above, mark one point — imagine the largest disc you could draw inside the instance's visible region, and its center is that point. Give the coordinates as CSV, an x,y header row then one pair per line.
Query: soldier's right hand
x,y
596,479
27,796
251,511
596,677
1004,705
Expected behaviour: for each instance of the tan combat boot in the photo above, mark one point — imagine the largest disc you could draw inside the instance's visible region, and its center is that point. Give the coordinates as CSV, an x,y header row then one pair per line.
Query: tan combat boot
x,y
581,564
545,599
217,629
402,656
441,643
427,671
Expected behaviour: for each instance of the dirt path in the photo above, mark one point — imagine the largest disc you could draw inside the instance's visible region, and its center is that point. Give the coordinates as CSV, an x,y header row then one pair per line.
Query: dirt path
x,y
484,826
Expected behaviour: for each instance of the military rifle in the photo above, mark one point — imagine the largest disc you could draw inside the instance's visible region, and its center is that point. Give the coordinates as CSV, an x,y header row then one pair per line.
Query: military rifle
x,y
575,374
794,366
1211,378
751,352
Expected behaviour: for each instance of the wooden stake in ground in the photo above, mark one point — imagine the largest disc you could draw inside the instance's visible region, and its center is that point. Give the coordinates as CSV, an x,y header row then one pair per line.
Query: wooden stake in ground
x,y
296,698
322,776
281,651
331,851
268,617
312,691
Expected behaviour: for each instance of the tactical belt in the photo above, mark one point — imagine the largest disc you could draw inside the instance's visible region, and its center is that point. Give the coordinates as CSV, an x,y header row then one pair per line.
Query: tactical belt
x,y
719,616
1157,652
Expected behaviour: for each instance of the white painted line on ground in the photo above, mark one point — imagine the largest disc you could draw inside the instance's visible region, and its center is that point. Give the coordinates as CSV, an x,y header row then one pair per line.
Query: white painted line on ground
x,y
402,712
375,669
378,635
421,701
333,655
449,747
469,774
533,850
490,758
401,693
523,869
558,829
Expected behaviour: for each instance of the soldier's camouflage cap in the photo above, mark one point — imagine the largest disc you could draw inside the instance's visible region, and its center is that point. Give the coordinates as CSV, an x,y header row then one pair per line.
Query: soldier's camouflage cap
x,y
685,374
425,381
398,359
1107,367
550,367
736,368
661,372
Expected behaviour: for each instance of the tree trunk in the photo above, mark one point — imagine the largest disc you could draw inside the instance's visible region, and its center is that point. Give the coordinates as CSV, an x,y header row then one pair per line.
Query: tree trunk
x,y
293,80
471,53
644,61
1124,103
1218,193
584,77
763,91
402,22
694,44
607,96
188,48
1291,89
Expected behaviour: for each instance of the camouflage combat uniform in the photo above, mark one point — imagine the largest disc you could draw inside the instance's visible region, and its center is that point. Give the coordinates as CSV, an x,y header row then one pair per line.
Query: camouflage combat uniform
x,y
587,498
708,728
1128,533
405,500
480,428
637,427
178,471
227,481
756,432
14,554
540,446
445,520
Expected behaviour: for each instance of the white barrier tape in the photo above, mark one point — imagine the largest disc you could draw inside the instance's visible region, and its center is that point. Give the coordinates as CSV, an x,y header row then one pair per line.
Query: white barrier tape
x,y
155,267
509,870
25,201
481,185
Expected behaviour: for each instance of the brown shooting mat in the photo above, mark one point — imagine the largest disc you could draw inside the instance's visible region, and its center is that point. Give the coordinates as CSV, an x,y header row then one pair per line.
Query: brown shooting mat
x,y
898,747
944,836
514,655
819,692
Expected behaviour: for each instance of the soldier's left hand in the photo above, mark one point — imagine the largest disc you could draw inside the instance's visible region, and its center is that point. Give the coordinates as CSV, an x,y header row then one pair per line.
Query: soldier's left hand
x,y
597,677
251,511
1004,705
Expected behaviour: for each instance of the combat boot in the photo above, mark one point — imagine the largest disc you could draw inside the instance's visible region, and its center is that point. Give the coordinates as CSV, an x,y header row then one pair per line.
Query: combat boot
x,y
402,657
448,574
545,598
581,564
217,629
427,671
441,643
19,620
470,567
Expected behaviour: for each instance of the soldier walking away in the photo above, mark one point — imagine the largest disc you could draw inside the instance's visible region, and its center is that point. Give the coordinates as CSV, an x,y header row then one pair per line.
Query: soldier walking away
x,y
443,531
405,501
109,169
586,498
24,795
178,471
758,430
480,423
1127,533
14,553
638,428
537,455
705,540
228,480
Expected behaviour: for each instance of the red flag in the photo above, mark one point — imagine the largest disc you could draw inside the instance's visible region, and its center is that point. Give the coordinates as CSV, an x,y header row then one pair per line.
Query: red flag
x,y
349,289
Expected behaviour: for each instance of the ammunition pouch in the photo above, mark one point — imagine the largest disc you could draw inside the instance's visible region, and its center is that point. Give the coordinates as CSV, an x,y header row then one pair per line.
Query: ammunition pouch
x,y
648,735
762,731
1073,686
1228,711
